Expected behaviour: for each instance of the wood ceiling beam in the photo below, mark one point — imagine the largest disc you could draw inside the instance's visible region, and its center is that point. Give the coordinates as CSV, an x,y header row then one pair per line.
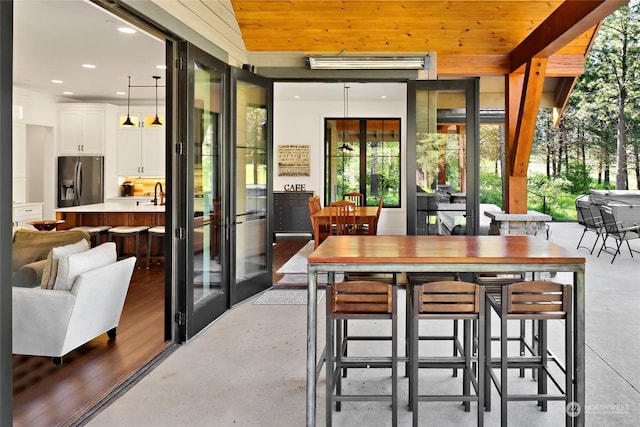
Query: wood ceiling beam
x,y
521,127
570,20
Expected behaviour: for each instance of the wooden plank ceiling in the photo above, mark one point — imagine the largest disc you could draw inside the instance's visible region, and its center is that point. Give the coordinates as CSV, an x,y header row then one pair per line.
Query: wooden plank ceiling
x,y
470,38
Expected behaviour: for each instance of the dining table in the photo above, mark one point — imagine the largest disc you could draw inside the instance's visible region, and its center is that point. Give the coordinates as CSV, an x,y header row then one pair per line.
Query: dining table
x,y
433,254
364,215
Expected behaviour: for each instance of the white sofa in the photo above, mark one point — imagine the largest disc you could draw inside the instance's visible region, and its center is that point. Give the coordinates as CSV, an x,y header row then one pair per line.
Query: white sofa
x,y
52,322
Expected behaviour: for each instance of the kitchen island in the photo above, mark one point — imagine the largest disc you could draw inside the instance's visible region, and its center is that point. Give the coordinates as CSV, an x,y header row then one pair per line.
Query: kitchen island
x,y
113,214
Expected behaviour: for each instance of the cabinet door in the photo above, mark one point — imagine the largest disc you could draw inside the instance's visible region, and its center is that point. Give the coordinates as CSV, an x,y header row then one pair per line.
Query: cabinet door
x,y
93,132
70,132
152,152
128,156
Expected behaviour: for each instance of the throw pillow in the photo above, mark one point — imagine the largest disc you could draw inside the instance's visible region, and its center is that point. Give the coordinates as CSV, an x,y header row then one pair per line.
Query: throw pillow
x,y
51,267
71,266
31,245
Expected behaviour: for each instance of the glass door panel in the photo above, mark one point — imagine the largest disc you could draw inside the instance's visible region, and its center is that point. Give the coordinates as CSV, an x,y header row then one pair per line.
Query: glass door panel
x,y
250,180
207,291
445,160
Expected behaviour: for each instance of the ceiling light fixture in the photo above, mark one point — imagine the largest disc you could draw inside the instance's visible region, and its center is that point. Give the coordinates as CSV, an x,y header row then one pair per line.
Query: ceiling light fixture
x,y
128,121
156,121
127,30
367,62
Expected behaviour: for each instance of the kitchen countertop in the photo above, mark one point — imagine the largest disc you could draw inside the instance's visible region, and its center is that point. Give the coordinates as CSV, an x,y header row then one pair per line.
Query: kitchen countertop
x,y
113,207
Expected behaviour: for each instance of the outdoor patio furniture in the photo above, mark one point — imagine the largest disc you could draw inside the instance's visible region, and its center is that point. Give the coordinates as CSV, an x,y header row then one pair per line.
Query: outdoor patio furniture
x,y
590,222
539,301
454,300
613,229
349,300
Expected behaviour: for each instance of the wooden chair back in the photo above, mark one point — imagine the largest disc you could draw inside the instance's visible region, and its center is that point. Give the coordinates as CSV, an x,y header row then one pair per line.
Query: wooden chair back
x,y
342,217
361,297
356,198
537,299
448,298
314,204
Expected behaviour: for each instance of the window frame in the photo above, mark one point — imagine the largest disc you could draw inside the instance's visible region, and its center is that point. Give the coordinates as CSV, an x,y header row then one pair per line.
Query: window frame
x,y
364,149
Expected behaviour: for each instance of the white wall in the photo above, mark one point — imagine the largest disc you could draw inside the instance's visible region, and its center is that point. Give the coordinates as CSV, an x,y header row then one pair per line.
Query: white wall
x,y
301,121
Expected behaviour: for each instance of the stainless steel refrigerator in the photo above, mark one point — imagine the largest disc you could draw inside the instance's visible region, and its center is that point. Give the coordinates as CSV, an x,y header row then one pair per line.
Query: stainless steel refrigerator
x,y
80,180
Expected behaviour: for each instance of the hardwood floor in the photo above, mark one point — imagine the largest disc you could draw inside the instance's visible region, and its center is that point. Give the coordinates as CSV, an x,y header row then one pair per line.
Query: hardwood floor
x,y
48,395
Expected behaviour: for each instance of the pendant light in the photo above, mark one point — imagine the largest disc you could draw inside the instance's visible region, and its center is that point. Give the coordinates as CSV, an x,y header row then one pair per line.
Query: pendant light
x,y
128,121
345,107
156,122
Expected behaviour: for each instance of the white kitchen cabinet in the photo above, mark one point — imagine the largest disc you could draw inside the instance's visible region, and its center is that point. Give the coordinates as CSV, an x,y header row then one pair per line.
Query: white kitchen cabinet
x,y
25,212
82,128
141,149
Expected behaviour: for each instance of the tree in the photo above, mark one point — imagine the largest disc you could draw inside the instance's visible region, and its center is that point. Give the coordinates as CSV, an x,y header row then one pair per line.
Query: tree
x,y
610,83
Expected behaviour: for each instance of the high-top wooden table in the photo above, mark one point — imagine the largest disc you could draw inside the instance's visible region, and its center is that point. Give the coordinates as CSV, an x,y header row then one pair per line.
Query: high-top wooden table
x,y
364,215
443,254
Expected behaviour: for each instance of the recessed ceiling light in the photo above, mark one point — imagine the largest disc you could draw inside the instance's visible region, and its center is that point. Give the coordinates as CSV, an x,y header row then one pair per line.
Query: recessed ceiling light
x,y
127,30
384,97
161,67
57,81
88,66
296,96
121,93
67,93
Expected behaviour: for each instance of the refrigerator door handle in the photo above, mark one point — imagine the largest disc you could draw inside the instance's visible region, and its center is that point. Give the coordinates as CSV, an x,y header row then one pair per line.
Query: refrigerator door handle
x,y
78,183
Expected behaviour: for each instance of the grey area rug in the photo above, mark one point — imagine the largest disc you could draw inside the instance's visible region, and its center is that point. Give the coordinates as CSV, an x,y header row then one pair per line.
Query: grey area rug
x,y
302,278
285,297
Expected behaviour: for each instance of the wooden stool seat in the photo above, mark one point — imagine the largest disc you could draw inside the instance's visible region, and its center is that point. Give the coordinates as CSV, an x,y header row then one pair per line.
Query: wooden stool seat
x,y
123,231
96,232
157,232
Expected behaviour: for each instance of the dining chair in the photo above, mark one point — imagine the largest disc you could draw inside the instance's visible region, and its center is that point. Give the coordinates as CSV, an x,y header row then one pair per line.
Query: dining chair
x,y
614,229
450,300
315,206
539,301
359,300
342,217
357,198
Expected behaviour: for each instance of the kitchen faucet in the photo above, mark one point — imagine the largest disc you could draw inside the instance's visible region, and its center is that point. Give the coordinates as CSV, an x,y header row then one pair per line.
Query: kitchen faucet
x,y
155,193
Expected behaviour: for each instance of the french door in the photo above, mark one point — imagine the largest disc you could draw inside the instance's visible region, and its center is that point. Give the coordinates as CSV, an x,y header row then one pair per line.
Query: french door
x,y
223,179
203,293
443,156
249,182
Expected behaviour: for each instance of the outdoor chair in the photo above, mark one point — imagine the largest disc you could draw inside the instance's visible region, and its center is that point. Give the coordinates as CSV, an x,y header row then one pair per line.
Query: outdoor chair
x,y
615,230
350,300
453,300
590,223
539,301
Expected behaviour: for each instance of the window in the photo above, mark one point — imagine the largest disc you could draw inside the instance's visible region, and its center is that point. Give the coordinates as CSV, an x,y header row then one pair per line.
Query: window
x,y
363,156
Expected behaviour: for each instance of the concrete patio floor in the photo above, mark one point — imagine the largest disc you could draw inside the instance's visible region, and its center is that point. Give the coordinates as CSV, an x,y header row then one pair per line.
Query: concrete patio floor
x,y
248,367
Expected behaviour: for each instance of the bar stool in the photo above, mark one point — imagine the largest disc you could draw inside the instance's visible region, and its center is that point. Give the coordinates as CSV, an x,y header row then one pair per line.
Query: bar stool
x,y
96,232
539,301
449,300
124,231
359,300
157,232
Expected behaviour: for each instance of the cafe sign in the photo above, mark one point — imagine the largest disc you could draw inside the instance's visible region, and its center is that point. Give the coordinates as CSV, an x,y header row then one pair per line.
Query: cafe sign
x,y
294,160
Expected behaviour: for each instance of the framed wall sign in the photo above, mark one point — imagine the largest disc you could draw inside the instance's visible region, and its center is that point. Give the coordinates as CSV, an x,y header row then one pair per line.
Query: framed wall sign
x,y
294,160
